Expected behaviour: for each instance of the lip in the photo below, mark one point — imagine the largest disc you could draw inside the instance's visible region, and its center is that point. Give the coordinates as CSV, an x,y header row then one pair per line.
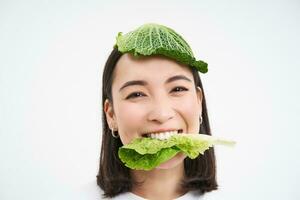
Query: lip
x,y
164,130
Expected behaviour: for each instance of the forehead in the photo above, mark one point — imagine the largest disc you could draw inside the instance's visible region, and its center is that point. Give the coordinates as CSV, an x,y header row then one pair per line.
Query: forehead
x,y
150,68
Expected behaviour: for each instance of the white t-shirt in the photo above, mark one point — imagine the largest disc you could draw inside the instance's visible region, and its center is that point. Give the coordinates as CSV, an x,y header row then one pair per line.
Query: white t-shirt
x,y
91,191
191,195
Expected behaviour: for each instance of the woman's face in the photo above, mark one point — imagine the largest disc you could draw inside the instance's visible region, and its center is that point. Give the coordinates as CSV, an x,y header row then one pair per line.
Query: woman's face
x,y
152,94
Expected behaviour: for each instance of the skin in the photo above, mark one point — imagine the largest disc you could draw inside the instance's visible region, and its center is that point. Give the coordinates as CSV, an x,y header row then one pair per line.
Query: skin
x,y
139,109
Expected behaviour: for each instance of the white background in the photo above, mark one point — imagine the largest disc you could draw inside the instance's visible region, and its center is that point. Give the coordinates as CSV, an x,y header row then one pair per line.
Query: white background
x,y
52,55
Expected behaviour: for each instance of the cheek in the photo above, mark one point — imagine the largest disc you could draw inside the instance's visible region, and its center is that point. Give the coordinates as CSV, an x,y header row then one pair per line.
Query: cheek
x,y
131,114
129,119
191,112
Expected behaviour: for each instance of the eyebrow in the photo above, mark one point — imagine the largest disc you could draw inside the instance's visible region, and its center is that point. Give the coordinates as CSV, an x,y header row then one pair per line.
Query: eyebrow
x,y
143,83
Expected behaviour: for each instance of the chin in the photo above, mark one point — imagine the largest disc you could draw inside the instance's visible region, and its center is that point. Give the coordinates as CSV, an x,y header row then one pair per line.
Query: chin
x,y
173,162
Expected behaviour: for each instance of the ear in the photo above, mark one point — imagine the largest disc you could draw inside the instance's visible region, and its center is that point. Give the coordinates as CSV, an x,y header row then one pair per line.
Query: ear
x,y
199,95
109,113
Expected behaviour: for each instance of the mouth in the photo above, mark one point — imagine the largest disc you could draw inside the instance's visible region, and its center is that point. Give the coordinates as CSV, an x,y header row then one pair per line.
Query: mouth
x,y
162,135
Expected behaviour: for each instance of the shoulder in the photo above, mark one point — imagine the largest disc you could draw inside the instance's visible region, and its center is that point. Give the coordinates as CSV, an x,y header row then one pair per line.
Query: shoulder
x,y
128,195
85,191
191,195
93,191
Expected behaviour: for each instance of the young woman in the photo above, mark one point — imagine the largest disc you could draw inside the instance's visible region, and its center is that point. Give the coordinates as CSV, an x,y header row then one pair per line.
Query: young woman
x,y
153,94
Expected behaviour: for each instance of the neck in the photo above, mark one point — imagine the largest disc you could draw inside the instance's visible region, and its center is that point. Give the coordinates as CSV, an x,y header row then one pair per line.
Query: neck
x,y
161,184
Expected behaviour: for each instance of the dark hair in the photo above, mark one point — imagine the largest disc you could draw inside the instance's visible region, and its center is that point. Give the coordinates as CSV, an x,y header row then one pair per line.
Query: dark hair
x,y
114,178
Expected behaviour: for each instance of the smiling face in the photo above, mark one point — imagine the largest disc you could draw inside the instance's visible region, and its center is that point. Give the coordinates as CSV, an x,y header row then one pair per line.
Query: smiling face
x,y
152,94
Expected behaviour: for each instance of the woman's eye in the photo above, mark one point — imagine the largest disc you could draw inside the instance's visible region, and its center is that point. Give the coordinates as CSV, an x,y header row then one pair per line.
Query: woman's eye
x,y
179,89
134,95
140,94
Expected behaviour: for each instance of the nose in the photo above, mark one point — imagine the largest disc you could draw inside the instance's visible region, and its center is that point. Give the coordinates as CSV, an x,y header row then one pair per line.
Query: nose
x,y
161,111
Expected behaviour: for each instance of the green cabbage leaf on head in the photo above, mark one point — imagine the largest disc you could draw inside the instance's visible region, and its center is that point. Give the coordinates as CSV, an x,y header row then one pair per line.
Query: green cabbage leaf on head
x,y
154,39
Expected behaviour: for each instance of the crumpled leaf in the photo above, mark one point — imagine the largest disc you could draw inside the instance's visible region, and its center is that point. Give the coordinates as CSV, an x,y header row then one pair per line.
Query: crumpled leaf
x,y
155,39
148,153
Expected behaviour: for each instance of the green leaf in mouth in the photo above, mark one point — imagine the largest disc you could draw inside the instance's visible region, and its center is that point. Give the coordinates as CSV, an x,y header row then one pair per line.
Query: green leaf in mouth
x,y
148,153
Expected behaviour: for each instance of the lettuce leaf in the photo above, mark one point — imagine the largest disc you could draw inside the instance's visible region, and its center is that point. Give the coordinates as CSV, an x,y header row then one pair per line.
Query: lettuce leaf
x,y
148,153
155,39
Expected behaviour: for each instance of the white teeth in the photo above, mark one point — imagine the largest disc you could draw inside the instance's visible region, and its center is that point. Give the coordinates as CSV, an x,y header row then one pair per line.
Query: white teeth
x,y
163,135
160,136
167,134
